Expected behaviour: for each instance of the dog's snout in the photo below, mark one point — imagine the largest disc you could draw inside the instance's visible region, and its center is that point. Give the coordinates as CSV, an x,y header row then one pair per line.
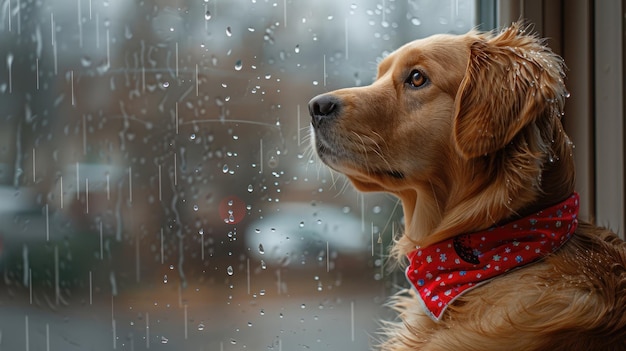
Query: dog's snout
x,y
323,107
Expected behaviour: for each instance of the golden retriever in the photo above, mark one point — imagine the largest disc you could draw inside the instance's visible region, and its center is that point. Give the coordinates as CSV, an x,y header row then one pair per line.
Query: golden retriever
x,y
465,130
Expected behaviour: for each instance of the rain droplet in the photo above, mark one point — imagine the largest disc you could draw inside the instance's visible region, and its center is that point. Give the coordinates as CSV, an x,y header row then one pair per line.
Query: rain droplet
x,y
207,15
195,208
165,279
85,61
416,21
164,340
238,65
201,327
166,84
272,162
261,249
263,265
229,31
250,188
297,49
301,224
229,270
225,169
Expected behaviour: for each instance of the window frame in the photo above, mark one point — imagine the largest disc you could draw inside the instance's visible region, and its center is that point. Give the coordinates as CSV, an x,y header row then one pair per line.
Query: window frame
x,y
583,32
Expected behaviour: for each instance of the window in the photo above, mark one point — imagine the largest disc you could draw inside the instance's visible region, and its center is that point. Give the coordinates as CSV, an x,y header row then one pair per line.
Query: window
x,y
157,186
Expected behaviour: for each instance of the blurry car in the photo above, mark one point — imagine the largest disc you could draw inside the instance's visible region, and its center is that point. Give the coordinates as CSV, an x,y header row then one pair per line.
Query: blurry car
x,y
298,232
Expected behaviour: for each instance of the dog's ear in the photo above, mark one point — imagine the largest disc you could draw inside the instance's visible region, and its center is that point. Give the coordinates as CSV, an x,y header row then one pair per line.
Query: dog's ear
x,y
512,79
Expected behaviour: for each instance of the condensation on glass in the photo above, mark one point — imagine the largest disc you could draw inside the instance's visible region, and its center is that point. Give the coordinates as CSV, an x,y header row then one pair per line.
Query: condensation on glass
x,y
157,186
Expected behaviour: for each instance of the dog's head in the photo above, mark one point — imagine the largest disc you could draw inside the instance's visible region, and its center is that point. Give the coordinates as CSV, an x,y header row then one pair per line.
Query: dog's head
x,y
452,124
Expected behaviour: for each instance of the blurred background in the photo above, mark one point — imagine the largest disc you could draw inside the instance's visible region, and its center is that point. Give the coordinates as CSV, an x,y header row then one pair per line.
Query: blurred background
x,y
157,187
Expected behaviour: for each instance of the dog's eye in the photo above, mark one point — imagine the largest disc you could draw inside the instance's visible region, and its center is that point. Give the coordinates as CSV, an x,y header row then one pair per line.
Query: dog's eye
x,y
416,79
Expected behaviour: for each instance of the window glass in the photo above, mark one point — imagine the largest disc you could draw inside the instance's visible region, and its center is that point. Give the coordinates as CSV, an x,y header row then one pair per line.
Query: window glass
x,y
157,185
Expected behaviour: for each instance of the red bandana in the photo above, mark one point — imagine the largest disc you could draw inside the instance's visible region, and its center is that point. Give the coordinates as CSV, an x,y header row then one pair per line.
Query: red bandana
x,y
443,271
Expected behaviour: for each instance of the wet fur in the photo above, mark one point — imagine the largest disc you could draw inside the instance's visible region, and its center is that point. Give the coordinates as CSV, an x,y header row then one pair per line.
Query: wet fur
x,y
481,144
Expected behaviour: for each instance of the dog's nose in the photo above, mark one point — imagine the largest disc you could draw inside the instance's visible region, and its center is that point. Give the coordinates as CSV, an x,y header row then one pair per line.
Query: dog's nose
x,y
323,107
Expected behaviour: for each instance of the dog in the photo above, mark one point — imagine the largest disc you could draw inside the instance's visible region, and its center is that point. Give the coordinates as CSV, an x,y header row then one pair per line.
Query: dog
x,y
466,131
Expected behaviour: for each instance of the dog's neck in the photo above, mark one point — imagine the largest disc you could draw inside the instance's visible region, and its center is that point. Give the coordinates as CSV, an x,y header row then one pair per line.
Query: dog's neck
x,y
474,197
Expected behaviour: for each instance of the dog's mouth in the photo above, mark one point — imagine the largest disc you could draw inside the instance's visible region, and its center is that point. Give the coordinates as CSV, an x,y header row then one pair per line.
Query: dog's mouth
x,y
352,164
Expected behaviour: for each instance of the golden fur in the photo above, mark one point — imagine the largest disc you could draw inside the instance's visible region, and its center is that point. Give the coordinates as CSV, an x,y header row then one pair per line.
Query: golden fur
x,y
480,143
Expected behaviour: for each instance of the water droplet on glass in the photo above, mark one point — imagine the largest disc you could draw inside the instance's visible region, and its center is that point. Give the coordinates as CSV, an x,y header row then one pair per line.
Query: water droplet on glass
x,y
376,209
297,49
207,15
201,327
128,34
263,265
225,169
164,340
261,249
301,225
192,137
165,279
195,208
250,188
272,162
230,270
229,31
166,84
85,61
416,21
238,65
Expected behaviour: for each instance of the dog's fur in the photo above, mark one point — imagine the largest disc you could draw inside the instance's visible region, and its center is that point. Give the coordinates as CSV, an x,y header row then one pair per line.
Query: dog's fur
x,y
480,143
